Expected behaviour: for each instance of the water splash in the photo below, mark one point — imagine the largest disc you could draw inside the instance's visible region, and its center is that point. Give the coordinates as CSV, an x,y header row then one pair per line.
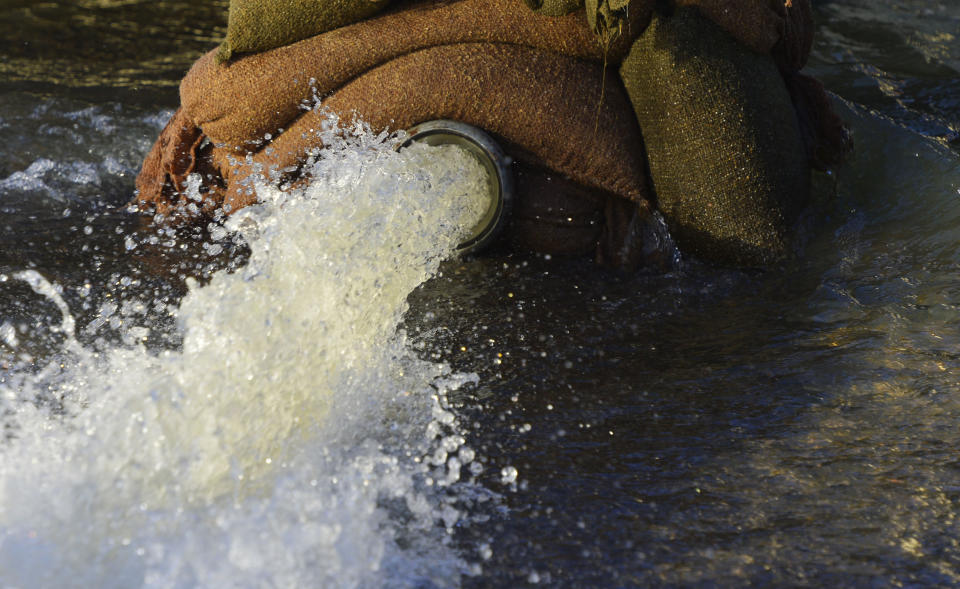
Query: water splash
x,y
292,439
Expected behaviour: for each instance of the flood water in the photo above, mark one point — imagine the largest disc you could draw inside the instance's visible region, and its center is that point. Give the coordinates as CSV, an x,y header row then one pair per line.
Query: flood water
x,y
297,401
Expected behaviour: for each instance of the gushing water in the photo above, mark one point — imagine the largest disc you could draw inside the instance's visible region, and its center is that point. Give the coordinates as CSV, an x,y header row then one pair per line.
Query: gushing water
x,y
293,440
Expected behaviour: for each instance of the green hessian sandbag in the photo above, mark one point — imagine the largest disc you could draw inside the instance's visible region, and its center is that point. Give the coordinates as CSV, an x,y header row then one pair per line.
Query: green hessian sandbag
x,y
726,157
258,25
605,17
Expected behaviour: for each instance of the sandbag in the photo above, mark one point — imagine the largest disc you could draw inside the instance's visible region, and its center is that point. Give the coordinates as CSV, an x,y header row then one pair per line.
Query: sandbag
x,y
256,94
543,107
608,19
258,25
547,106
239,103
726,158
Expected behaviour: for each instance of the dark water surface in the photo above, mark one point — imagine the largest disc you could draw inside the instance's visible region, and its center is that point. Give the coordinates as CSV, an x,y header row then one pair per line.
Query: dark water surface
x,y
706,427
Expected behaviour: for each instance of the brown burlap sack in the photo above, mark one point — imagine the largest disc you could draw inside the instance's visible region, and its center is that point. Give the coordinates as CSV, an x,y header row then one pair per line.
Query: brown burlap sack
x,y
555,215
544,107
726,157
554,7
174,156
785,31
243,100
258,25
543,103
256,94
763,26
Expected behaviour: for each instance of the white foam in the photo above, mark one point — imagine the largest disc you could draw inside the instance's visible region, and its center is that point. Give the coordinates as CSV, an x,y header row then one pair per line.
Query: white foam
x,y
282,445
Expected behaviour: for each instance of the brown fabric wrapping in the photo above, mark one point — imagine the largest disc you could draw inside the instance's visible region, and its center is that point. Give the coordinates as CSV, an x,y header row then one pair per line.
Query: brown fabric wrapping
x,y
764,26
257,94
544,103
558,216
562,218
755,23
609,18
231,109
786,33
173,157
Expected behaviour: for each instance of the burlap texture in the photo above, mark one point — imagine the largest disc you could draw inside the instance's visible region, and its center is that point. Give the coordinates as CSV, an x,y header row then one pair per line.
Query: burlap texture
x,y
764,26
224,101
554,7
555,215
606,18
174,156
542,106
726,157
258,25
256,94
394,71
609,18
545,104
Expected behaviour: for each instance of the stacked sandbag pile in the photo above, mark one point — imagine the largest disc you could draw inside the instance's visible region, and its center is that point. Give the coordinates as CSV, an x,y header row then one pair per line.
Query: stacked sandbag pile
x,y
533,81
545,82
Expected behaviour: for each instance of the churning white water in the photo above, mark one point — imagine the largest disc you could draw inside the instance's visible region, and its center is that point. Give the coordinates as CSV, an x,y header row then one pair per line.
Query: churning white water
x,y
293,440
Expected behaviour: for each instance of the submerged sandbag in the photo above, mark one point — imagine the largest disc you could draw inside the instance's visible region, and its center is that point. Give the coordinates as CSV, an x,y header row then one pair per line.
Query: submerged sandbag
x,y
258,25
726,158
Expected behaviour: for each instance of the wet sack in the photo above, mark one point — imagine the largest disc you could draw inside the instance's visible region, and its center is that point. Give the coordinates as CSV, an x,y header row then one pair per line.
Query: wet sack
x,y
258,25
731,126
610,20
727,161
